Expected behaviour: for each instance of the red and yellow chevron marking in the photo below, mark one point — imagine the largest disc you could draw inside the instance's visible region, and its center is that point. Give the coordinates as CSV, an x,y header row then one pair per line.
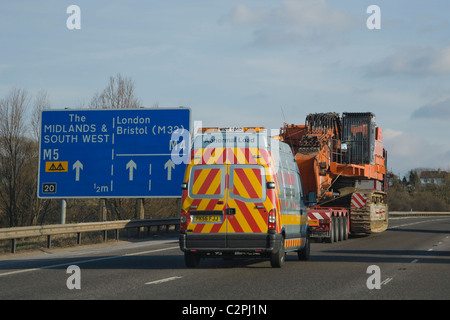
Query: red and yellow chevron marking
x,y
206,181
247,183
293,242
248,219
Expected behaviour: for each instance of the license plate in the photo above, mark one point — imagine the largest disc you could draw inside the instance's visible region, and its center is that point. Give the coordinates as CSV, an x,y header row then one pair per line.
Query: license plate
x,y
205,219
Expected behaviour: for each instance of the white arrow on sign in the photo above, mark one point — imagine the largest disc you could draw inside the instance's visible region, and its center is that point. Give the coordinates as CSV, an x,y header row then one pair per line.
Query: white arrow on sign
x,y
169,166
77,166
130,166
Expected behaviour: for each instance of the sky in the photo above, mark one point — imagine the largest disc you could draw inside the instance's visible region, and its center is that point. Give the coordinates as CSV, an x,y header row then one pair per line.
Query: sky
x,y
247,63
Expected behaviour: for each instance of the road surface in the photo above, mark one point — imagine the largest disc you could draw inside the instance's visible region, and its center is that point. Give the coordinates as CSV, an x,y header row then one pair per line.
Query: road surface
x,y
411,258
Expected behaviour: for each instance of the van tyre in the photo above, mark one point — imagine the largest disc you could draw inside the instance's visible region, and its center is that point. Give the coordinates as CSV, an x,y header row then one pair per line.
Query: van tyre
x,y
191,259
277,258
303,254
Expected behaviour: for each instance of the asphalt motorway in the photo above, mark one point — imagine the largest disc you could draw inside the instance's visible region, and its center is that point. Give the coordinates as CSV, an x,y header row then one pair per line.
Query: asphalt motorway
x,y
411,260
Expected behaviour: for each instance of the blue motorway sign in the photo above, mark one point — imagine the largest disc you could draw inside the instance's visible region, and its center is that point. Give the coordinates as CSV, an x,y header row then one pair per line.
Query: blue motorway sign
x,y
112,153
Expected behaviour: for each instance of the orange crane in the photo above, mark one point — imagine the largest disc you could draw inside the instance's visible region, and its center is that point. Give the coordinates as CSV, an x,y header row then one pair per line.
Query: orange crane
x,y
342,164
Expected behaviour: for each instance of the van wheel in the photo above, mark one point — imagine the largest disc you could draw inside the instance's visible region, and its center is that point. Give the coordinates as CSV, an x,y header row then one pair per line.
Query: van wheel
x,y
303,254
191,259
277,258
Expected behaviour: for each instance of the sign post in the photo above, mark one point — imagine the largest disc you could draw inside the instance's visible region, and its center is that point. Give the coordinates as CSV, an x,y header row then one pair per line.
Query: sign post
x,y
111,153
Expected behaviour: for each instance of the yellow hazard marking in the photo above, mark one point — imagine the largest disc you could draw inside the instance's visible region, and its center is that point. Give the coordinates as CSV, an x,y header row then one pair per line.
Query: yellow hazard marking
x,y
56,166
293,242
291,219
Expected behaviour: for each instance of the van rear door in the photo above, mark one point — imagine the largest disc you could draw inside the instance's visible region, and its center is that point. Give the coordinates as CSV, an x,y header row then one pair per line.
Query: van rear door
x,y
229,202
207,228
247,206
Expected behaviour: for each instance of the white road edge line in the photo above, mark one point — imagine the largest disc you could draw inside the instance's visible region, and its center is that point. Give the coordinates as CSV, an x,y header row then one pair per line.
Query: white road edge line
x,y
84,261
163,280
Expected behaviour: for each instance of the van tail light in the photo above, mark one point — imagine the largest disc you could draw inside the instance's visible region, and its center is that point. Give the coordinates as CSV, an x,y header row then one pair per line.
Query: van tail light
x,y
272,219
184,220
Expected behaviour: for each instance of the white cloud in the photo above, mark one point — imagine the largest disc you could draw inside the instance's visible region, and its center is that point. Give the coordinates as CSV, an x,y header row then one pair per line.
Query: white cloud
x,y
244,14
416,61
306,14
407,151
293,20
439,109
130,52
441,61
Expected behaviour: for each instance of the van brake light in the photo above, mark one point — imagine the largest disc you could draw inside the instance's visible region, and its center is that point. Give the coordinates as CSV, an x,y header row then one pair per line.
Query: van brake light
x,y
272,219
184,220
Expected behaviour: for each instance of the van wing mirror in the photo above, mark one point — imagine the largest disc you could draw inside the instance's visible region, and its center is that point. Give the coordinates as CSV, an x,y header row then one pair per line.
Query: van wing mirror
x,y
184,186
270,185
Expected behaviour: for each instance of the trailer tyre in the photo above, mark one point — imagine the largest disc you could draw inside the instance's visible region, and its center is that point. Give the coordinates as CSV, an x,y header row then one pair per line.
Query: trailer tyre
x,y
345,223
332,237
340,227
336,229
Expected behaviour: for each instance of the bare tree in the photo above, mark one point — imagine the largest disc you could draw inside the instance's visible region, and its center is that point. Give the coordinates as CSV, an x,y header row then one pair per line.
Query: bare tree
x,y
41,102
13,152
119,94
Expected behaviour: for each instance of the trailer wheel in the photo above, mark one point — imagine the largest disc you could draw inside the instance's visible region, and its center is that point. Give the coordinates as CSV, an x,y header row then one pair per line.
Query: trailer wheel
x,y
334,226
277,258
332,237
345,223
191,259
340,227
336,229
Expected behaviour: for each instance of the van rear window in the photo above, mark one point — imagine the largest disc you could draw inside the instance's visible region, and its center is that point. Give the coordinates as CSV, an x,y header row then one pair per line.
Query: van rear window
x,y
207,181
248,183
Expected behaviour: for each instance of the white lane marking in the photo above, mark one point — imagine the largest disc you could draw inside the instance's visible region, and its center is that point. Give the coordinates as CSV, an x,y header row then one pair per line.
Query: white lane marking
x,y
18,271
163,280
415,260
150,251
386,281
414,223
85,261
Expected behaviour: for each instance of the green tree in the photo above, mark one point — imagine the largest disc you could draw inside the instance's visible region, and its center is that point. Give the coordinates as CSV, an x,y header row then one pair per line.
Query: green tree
x,y
414,180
